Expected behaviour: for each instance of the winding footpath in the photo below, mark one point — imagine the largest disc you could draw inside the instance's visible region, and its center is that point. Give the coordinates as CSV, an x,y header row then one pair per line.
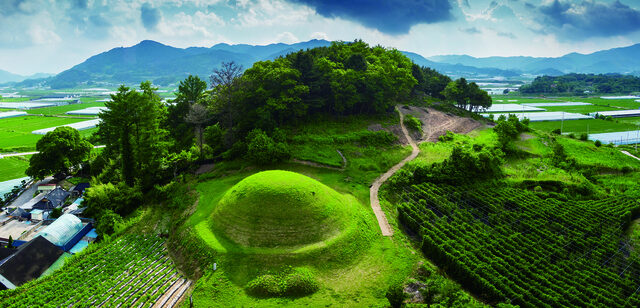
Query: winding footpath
x,y
375,187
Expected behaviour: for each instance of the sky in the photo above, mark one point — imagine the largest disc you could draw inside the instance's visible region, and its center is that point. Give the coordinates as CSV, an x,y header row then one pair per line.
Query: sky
x,y
54,35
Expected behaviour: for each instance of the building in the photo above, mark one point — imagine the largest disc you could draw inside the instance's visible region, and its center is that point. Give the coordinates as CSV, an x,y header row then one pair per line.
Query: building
x,y
20,214
46,188
79,189
63,230
28,262
39,215
52,200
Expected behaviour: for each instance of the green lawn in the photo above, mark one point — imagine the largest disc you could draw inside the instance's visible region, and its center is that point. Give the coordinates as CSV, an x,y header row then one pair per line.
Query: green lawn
x,y
15,133
13,167
593,126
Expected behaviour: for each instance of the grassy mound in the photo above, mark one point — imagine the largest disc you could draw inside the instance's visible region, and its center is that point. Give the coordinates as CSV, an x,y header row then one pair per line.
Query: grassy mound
x,y
281,210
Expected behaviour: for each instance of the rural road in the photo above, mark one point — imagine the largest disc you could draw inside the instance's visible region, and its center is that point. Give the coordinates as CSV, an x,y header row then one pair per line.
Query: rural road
x,y
31,153
375,187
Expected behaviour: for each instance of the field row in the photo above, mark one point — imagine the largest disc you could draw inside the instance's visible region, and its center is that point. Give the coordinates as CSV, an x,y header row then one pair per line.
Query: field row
x,y
133,271
510,245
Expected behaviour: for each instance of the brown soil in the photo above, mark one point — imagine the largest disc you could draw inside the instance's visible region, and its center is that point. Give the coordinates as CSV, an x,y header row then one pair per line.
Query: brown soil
x,y
436,123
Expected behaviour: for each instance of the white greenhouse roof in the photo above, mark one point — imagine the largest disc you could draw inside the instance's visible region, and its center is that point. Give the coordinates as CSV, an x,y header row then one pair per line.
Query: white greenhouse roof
x,y
511,107
25,105
628,137
619,113
7,186
550,104
619,97
62,230
88,111
79,126
12,114
542,116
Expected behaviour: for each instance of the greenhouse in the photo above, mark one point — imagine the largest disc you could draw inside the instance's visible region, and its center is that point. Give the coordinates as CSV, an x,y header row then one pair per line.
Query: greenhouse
x,y
557,104
542,116
511,107
619,113
628,137
619,97
88,111
79,126
62,230
12,114
25,105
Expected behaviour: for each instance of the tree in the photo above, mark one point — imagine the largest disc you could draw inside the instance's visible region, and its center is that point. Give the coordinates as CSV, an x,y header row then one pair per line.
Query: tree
x,y
10,242
396,296
198,115
226,86
190,91
131,131
263,150
59,151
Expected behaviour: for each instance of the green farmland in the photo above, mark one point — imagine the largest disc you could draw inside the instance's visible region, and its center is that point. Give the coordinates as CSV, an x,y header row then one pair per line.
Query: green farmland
x,y
594,126
16,136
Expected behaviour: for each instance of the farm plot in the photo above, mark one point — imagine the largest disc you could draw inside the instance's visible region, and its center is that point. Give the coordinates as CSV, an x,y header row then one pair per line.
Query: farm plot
x,y
15,133
509,244
133,271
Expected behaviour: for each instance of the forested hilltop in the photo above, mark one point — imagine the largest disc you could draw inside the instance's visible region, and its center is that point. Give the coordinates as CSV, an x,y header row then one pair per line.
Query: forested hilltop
x,y
250,114
581,83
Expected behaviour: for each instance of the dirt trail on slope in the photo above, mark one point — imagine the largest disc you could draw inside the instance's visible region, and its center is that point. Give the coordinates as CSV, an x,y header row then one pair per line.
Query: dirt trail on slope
x,y
434,124
375,187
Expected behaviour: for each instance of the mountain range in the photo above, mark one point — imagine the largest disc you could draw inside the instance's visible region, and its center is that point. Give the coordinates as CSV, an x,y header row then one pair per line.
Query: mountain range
x,y
164,65
11,77
622,60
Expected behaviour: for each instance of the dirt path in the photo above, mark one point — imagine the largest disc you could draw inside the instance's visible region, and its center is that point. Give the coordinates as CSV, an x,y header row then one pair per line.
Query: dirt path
x,y
629,154
319,165
375,187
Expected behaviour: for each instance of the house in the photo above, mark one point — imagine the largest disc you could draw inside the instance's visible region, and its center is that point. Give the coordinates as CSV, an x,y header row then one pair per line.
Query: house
x,y
46,187
52,200
28,262
79,189
20,214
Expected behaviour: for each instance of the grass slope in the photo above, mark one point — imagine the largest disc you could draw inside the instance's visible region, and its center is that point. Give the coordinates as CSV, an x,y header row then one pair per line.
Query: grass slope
x,y
281,209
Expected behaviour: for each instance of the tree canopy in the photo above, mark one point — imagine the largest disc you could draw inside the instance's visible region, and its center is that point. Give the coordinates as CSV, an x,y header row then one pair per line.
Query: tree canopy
x,y
59,151
579,83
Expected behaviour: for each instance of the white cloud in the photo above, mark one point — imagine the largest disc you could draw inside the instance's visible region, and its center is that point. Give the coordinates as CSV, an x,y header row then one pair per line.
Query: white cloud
x,y
319,36
286,37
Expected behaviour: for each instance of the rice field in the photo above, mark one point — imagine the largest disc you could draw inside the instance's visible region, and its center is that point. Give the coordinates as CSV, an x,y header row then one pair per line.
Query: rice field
x,y
13,168
16,136
592,126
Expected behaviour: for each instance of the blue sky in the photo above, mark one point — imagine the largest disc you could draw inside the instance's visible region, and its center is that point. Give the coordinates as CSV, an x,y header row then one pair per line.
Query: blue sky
x,y
53,35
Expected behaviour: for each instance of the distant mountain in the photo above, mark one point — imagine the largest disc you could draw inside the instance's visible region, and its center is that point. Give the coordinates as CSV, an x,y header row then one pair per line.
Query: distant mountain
x,y
622,60
459,70
163,65
6,77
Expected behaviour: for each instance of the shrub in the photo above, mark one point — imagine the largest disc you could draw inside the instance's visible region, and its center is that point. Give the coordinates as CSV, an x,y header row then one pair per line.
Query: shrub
x,y
447,137
598,143
413,123
584,137
262,150
396,295
556,131
572,136
292,282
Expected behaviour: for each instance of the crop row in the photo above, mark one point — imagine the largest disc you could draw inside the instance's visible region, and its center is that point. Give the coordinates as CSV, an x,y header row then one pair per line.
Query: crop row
x,y
133,270
508,244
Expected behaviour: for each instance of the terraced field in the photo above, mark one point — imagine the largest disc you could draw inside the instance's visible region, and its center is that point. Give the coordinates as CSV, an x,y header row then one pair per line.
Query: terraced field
x,y
133,271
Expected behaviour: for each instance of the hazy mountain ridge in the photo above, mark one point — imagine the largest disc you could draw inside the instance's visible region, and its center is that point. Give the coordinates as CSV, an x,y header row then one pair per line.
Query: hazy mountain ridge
x,y
623,60
163,64
11,77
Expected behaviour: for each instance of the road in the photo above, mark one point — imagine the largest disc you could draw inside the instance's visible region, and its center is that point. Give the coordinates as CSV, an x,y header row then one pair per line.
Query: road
x,y
629,154
36,152
375,187
28,193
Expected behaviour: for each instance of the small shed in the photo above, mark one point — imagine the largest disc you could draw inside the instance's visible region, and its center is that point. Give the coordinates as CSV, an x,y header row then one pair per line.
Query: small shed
x,y
46,187
39,215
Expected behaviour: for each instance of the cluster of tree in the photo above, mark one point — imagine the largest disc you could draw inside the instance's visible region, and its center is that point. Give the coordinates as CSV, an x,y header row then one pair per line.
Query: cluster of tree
x,y
238,115
508,130
467,95
59,151
579,83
